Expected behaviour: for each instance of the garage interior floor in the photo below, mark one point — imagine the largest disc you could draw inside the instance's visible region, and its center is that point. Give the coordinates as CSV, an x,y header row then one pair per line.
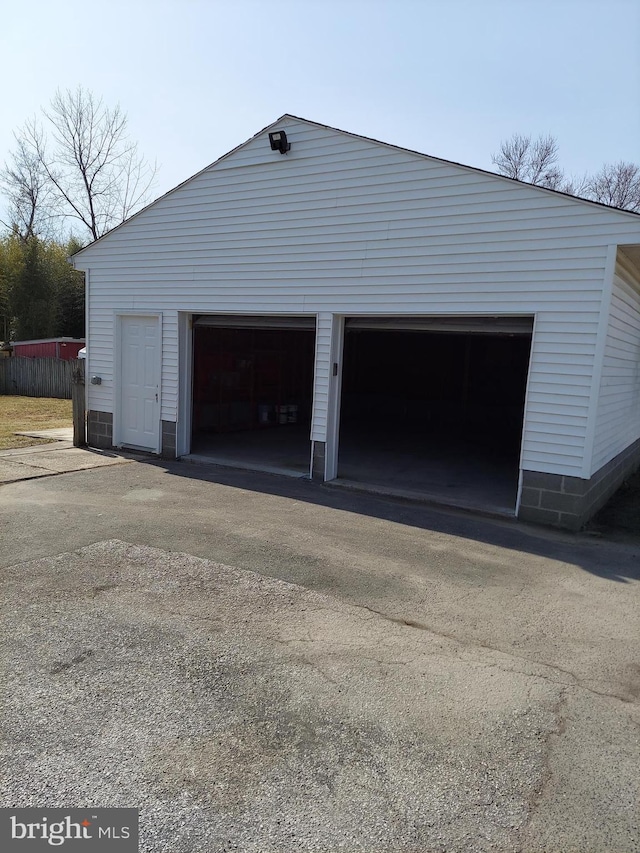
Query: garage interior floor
x,y
430,416
450,473
252,397
281,450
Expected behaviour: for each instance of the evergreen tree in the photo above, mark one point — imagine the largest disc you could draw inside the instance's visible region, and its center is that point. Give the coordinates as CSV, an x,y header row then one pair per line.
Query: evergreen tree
x,y
41,295
5,314
11,266
32,295
70,318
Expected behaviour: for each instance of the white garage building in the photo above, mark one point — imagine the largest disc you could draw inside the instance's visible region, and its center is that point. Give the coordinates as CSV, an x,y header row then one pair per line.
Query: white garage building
x,y
324,304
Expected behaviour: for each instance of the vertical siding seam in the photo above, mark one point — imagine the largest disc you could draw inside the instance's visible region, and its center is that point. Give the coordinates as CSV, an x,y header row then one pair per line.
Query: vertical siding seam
x,y
598,360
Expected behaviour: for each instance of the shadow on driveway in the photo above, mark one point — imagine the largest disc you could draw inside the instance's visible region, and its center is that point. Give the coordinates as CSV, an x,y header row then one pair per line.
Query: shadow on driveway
x,y
584,550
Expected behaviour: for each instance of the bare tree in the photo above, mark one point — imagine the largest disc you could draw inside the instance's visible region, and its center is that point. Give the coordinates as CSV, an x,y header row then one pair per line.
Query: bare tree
x,y
617,184
28,191
92,170
532,161
535,162
576,185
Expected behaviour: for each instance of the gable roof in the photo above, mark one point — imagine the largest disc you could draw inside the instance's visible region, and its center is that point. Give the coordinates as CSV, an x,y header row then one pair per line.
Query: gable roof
x,y
475,169
420,154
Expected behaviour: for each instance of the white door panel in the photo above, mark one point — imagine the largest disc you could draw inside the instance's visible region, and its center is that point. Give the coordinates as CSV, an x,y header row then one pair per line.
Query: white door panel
x,y
139,413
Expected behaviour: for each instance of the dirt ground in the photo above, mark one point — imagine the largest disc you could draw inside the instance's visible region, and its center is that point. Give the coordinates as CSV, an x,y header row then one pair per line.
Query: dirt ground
x,y
621,515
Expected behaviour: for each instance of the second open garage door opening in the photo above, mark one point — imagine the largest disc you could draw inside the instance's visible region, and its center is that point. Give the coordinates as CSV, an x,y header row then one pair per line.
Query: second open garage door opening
x,y
435,407
253,391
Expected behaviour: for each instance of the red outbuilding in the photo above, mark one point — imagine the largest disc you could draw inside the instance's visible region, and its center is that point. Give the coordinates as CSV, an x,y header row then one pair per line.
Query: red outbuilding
x,y
65,348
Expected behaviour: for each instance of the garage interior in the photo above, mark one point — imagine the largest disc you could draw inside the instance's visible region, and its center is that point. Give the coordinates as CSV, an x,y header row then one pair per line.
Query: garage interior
x,y
253,391
434,407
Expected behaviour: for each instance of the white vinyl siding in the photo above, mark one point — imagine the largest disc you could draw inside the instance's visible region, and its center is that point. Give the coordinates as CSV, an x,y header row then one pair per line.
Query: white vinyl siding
x,y
618,419
169,366
345,226
322,375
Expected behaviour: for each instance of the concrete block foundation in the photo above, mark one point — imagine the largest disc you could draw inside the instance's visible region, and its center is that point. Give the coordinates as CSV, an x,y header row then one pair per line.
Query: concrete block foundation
x,y
168,449
569,502
100,430
317,468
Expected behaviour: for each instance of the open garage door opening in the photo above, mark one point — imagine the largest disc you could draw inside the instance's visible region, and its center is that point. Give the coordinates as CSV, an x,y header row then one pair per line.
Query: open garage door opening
x,y
435,407
253,392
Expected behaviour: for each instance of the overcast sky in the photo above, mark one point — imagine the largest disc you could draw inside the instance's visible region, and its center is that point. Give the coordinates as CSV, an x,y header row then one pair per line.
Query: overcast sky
x,y
446,77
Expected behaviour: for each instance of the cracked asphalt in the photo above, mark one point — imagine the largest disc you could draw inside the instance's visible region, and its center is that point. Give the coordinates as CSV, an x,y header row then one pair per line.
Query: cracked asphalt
x,y
263,664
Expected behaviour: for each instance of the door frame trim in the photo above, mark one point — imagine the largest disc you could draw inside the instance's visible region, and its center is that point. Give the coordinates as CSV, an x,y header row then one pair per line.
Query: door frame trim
x,y
334,405
185,383
117,397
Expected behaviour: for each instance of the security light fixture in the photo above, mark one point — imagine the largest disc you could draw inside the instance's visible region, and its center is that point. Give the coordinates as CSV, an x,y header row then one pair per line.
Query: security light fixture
x,y
278,141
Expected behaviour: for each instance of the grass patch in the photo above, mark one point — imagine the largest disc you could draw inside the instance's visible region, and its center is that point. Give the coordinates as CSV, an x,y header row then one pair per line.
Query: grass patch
x,y
19,414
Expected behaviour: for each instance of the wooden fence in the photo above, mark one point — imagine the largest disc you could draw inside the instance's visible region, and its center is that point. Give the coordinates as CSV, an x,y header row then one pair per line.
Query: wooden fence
x,y
37,377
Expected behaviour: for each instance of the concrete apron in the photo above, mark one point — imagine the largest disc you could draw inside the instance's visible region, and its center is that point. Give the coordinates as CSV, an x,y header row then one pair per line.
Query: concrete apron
x,y
45,460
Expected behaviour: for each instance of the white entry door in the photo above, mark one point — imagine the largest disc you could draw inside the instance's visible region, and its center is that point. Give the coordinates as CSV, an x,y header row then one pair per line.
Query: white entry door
x,y
139,382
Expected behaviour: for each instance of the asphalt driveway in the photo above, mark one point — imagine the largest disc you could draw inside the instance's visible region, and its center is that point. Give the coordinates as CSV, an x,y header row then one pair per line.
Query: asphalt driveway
x,y
263,664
